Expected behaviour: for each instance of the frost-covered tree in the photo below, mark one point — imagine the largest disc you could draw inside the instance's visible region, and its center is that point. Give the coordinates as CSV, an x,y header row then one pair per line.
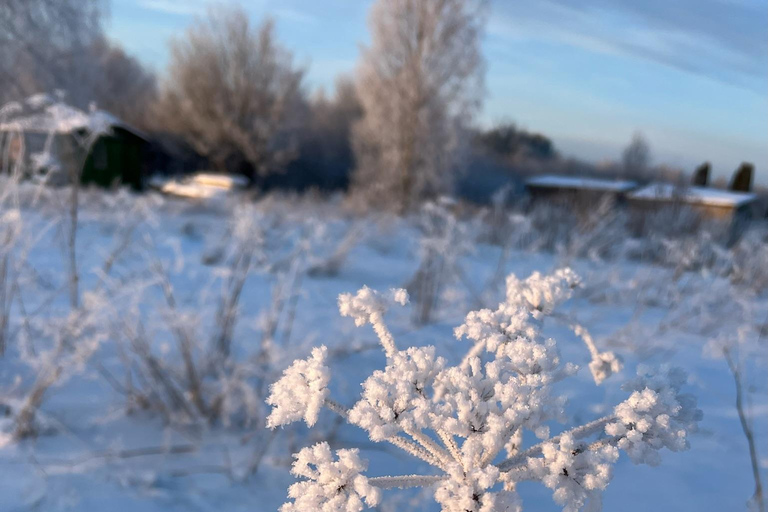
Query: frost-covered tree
x,y
636,156
120,84
48,45
468,420
44,45
419,82
233,93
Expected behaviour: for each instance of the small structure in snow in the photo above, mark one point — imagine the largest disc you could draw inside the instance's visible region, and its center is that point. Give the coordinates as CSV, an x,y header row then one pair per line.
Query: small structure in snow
x,y
576,189
710,203
44,135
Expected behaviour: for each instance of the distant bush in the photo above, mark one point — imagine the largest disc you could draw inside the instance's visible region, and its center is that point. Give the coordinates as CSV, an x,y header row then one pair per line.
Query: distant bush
x,y
509,142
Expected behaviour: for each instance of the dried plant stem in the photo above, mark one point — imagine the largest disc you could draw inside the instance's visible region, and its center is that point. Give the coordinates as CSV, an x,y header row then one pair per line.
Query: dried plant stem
x,y
194,385
577,433
74,277
747,428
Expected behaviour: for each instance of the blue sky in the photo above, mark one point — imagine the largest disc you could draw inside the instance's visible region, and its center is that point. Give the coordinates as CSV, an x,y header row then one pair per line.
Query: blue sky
x,y
692,75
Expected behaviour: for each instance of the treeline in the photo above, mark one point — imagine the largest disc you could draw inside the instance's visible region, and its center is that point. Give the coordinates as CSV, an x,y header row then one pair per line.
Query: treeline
x,y
233,100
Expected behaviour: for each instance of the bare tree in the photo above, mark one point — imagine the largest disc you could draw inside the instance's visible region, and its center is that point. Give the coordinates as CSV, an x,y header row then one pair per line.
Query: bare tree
x,y
326,157
44,43
233,93
636,157
120,84
48,45
419,82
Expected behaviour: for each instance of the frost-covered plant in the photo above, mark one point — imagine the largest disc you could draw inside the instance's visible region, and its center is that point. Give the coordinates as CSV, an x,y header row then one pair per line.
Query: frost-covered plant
x,y
599,232
749,261
676,238
244,252
310,374
329,265
700,251
444,240
288,265
184,359
12,147
61,348
603,364
467,421
18,233
11,231
207,384
11,222
18,237
325,476
743,346
497,220
727,312
736,349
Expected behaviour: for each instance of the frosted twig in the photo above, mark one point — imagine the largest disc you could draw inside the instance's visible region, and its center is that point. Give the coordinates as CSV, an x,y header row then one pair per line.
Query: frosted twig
x,y
384,335
452,446
405,481
432,447
416,450
576,433
337,408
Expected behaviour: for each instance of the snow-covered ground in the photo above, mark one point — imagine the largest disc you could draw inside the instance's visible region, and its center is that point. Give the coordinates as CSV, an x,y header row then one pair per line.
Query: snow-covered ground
x,y
93,452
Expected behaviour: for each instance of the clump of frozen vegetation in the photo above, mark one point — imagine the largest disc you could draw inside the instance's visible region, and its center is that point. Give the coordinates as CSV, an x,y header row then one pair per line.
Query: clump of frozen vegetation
x,y
676,238
195,374
62,349
467,421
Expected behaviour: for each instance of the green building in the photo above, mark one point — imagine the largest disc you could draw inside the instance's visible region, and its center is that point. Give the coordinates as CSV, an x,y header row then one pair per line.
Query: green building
x,y
43,136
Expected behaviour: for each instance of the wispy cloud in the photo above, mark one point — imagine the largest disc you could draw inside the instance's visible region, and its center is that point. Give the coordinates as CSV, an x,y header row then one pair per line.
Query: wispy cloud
x,y
180,7
720,39
294,15
194,7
